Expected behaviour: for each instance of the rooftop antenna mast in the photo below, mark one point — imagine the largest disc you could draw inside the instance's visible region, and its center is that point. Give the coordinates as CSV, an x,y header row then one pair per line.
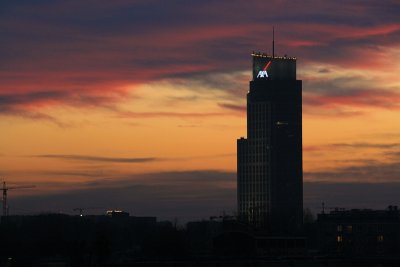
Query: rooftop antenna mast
x,y
273,42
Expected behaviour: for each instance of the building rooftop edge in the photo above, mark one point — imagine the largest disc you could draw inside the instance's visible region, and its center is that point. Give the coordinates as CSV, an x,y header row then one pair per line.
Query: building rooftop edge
x,y
254,54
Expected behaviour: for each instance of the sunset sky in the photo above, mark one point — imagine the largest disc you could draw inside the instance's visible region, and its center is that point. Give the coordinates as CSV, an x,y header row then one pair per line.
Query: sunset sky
x,y
137,105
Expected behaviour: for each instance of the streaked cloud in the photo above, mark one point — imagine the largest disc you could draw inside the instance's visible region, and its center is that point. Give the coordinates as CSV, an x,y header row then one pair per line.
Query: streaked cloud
x,y
353,146
233,107
373,172
355,98
130,114
120,45
97,158
366,145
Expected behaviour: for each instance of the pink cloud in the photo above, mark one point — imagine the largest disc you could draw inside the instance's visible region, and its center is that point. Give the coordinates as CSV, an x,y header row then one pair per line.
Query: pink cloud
x,y
93,63
182,115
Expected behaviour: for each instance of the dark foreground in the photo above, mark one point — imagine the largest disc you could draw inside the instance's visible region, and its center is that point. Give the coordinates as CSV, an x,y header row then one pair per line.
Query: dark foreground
x,y
62,240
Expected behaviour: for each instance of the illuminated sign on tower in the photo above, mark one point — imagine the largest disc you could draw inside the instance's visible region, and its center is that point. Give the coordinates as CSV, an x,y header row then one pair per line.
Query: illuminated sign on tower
x,y
263,73
273,67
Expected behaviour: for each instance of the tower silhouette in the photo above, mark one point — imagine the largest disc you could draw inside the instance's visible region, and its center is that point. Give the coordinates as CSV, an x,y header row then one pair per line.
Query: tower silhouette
x,y
269,161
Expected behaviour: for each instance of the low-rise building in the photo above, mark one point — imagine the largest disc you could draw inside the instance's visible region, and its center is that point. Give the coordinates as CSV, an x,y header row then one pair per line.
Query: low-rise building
x,y
360,232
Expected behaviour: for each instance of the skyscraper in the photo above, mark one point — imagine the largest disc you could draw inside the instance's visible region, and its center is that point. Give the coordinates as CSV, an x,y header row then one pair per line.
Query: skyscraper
x,y
269,161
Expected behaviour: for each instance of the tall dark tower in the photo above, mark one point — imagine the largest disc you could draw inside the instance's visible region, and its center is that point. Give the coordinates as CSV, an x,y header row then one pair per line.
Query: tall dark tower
x,y
269,161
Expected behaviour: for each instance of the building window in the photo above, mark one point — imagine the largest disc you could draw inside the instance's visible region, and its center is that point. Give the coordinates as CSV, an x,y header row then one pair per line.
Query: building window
x,y
339,228
349,228
339,238
380,238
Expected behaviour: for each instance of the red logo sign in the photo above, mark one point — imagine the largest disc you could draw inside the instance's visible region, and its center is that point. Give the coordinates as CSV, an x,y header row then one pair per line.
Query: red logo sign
x,y
263,73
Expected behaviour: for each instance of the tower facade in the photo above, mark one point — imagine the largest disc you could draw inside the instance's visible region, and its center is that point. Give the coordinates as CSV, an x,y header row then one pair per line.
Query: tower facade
x,y
269,161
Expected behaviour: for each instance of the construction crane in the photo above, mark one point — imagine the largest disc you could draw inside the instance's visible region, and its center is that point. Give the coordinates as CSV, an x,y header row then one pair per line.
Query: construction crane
x,y
83,209
80,211
5,189
323,208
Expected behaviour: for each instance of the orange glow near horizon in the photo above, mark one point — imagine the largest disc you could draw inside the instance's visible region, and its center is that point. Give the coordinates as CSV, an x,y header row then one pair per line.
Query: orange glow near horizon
x,y
179,129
